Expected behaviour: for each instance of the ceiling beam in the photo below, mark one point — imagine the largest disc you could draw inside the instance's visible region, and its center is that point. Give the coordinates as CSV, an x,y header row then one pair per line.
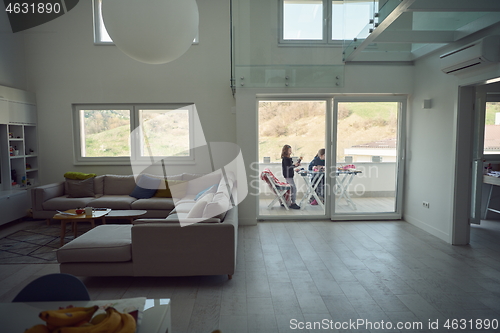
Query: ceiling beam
x,y
407,36
455,6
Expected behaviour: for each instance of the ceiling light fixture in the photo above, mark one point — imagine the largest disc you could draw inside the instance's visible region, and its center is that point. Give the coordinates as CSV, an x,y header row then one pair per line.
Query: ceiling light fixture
x,y
151,31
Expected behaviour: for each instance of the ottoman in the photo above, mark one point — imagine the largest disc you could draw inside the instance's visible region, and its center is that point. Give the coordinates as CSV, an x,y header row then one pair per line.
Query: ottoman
x,y
105,250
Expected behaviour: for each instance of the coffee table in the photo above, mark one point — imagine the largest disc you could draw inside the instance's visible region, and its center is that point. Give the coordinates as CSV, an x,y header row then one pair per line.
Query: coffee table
x,y
96,214
130,215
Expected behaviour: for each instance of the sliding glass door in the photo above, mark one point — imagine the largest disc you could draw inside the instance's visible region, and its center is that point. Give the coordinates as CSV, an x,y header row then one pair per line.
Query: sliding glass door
x,y
301,124
351,152
367,158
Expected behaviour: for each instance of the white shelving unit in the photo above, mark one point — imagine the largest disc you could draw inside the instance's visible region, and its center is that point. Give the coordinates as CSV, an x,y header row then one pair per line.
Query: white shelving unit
x,y
18,152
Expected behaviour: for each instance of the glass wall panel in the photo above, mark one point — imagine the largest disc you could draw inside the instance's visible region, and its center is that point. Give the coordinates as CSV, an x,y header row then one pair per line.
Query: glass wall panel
x,y
301,125
366,157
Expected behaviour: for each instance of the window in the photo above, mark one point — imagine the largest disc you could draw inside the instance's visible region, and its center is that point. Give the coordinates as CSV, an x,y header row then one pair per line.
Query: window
x,y
324,21
119,134
101,36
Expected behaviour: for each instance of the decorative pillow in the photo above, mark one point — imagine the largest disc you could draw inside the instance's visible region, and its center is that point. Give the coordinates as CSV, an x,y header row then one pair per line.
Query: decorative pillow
x,y
202,193
218,207
146,187
78,175
197,210
178,189
164,188
75,188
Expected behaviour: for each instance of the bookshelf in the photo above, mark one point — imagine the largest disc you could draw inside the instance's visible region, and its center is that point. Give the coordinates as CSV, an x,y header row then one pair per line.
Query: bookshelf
x,y
18,151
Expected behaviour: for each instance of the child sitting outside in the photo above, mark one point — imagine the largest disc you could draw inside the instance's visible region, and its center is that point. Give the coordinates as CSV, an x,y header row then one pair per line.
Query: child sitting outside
x,y
318,164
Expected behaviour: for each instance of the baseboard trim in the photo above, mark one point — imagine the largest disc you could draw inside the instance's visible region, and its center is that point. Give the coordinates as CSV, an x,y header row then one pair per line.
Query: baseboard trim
x,y
430,229
247,221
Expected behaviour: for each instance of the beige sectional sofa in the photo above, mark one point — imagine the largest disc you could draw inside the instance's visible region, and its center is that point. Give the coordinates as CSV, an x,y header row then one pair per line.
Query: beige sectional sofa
x,y
198,237
110,191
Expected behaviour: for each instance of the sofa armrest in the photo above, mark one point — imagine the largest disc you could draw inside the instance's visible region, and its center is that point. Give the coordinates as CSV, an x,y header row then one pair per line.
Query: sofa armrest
x,y
167,249
43,193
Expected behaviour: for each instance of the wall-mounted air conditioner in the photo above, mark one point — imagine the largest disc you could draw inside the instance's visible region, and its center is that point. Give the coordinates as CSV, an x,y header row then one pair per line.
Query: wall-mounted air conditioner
x,y
472,56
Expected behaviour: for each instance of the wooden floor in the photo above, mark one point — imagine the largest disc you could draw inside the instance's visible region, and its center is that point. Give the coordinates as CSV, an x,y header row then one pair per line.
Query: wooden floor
x,y
311,271
362,205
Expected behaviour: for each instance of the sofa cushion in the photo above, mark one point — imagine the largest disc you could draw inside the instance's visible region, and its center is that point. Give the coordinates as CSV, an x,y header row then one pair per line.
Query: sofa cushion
x,y
146,187
76,188
99,185
218,207
208,190
105,243
65,203
184,207
112,201
198,182
226,187
118,185
177,188
153,204
189,198
198,208
164,190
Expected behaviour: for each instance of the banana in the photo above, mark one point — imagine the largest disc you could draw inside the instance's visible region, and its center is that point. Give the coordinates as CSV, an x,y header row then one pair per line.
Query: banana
x,y
98,318
68,317
107,325
40,328
128,324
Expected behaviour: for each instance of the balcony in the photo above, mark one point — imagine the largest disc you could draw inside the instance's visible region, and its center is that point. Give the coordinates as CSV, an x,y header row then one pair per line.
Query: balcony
x,y
372,191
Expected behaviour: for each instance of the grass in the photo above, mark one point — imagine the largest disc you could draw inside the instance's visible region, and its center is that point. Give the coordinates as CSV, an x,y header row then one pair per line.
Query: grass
x,y
305,131
491,109
167,136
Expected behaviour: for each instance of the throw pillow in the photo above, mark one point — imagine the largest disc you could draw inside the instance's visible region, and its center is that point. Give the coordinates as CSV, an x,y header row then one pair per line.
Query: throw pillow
x,y
217,208
163,191
178,188
197,209
202,193
75,188
78,175
199,206
146,187
164,188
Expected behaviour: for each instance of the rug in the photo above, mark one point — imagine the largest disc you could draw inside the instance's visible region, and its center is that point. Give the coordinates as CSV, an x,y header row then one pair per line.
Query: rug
x,y
36,244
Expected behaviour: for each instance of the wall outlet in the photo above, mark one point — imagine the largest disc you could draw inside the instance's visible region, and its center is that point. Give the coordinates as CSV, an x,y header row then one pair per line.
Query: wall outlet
x,y
425,204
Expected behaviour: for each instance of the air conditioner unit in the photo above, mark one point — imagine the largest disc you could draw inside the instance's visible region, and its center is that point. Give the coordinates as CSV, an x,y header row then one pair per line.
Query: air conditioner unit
x,y
482,52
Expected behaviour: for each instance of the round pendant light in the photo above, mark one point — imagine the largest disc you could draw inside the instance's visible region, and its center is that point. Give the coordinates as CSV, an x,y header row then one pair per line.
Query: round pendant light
x,y
151,31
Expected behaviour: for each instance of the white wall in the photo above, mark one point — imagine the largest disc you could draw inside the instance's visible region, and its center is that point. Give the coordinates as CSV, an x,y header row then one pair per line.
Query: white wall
x,y
256,39
430,165
12,63
65,67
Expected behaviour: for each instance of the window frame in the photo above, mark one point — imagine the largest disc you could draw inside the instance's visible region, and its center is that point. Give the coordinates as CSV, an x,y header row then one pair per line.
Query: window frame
x,y
135,142
97,18
327,40
316,42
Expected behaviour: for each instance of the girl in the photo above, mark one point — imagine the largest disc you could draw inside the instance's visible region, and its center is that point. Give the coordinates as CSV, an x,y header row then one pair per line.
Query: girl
x,y
318,161
287,166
